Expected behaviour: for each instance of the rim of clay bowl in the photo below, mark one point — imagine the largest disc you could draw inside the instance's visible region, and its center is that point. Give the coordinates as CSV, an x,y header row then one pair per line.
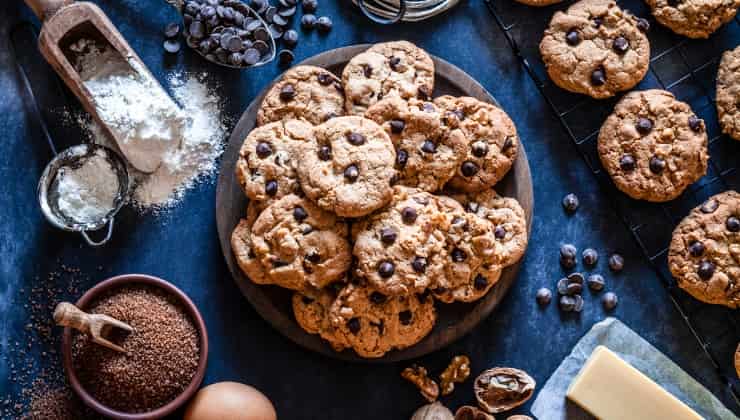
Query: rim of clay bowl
x,y
189,307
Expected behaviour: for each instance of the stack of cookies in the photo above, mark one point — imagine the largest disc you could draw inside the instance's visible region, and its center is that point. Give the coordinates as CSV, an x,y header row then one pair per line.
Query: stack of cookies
x,y
372,200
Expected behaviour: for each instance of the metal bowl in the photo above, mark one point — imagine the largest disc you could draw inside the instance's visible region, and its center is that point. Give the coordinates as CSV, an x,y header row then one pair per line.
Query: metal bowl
x,y
73,157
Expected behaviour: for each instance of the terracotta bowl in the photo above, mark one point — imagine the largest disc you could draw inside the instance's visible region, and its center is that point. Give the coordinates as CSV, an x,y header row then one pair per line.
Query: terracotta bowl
x,y
190,309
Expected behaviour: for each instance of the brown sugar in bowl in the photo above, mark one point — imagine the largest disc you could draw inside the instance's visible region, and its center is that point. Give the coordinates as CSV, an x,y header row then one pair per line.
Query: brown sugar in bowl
x,y
187,305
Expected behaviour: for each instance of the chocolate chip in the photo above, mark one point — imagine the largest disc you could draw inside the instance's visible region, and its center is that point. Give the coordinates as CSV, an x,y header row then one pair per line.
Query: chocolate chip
x,y
627,163
197,29
469,168
172,46
172,30
643,24
598,77
572,37
616,263
480,282
423,93
306,230
696,123
356,139
575,278
419,264
733,224
696,249
706,270
609,301
480,149
567,303
351,173
620,45
377,298
421,200
401,158
656,165
393,62
573,289
405,317
499,232
324,24
290,38
308,21
508,143
427,107
562,286
397,126
458,255
299,213
598,21
324,153
278,264
386,269
596,282
472,207
252,55
313,257
408,214
306,300
354,325
544,296
570,203
388,235
271,188
236,59
325,79
310,6
590,257
429,147
568,251
644,125
709,206
287,92
263,149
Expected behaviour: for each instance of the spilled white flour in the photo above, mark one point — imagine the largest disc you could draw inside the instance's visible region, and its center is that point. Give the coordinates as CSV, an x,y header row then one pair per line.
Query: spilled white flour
x,y
195,160
86,193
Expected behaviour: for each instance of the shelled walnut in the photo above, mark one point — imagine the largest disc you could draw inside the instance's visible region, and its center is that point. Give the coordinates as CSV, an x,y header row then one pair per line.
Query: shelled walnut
x,y
433,411
468,412
501,389
457,371
417,375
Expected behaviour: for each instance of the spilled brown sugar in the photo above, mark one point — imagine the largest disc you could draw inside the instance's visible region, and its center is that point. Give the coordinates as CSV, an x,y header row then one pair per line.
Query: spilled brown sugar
x,y
162,352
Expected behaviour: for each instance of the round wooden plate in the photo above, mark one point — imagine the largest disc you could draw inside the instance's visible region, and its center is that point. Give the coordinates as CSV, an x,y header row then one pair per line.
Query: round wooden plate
x,y
274,303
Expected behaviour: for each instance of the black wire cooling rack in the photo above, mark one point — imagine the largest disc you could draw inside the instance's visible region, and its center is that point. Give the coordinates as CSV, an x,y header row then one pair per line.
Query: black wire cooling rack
x,y
688,69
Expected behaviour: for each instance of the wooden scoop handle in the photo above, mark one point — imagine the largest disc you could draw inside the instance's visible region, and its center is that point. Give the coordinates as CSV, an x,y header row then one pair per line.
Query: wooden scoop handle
x,y
68,315
44,9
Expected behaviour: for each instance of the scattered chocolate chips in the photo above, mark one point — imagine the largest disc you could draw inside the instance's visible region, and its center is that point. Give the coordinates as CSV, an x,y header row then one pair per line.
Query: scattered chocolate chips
x,y
733,224
570,203
575,278
572,37
616,263
469,168
620,45
386,269
573,289
709,206
644,126
544,296
324,24
309,6
568,256
596,282
598,77
706,270
308,22
408,214
567,303
172,46
172,30
609,301
290,38
397,126
351,173
562,286
590,257
643,24
696,123
656,165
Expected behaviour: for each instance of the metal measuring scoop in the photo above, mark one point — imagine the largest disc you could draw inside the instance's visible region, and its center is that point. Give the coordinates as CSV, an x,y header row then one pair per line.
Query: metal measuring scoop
x,y
48,196
226,32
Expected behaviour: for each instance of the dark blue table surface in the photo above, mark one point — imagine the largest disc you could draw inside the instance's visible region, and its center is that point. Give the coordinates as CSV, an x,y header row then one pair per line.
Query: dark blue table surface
x,y
182,245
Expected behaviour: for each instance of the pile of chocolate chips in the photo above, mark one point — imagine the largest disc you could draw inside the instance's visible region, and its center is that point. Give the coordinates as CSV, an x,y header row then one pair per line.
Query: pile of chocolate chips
x,y
229,33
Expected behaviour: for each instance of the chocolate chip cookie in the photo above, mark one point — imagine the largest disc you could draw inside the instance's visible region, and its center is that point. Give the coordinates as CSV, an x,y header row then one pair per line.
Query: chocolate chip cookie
x,y
304,92
653,146
728,93
311,311
391,68
491,137
241,245
401,250
705,250
596,48
373,323
694,18
300,245
348,168
427,154
266,168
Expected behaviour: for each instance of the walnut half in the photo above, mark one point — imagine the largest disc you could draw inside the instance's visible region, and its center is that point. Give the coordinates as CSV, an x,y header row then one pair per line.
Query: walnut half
x,y
501,389
457,371
417,375
468,412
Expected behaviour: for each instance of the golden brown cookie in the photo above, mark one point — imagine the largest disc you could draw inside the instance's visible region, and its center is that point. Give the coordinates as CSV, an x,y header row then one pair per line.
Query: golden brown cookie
x,y
653,146
304,92
596,48
311,311
241,245
705,250
491,137
728,93
386,69
694,18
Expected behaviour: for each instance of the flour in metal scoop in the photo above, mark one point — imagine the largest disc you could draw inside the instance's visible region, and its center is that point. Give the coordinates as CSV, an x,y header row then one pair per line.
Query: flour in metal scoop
x,y
87,193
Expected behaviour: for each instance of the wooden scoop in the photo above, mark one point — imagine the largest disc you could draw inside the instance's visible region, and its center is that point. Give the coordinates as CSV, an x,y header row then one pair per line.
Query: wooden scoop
x,y
96,325
66,22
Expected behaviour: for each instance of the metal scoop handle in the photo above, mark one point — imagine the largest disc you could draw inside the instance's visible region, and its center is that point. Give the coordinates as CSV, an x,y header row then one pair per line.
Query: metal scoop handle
x,y
103,241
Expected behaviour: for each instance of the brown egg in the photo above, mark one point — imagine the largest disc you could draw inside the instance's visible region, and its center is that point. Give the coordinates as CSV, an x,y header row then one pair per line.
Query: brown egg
x,y
230,401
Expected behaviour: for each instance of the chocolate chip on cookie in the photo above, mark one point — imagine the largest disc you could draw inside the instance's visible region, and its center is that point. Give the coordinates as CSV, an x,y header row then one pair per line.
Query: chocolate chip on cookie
x,y
595,48
653,146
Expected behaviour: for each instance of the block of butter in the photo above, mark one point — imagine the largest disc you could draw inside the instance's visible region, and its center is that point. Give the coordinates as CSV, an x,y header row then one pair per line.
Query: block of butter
x,y
611,389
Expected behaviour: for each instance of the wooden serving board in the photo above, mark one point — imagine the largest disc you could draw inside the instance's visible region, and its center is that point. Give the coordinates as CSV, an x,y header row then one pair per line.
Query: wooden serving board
x,y
274,303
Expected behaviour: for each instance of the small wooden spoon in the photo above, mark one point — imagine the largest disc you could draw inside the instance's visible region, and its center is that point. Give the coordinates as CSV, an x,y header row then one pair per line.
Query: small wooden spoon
x,y
96,325
64,23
